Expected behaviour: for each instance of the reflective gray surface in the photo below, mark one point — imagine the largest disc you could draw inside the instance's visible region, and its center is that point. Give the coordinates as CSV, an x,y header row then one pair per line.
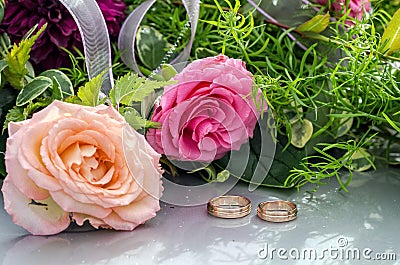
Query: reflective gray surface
x,y
334,225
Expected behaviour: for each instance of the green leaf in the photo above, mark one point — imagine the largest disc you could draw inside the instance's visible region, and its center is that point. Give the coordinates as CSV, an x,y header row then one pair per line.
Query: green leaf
x,y
56,93
152,125
2,5
317,24
66,86
14,115
360,160
73,100
301,133
89,93
31,72
17,58
22,113
5,44
210,171
204,52
3,65
147,87
33,89
286,158
211,22
391,122
34,106
150,45
131,87
30,32
166,163
168,71
8,97
123,87
343,126
390,41
133,118
223,176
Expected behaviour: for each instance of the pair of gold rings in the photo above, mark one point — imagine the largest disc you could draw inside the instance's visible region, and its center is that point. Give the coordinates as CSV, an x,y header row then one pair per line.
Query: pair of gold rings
x,y
233,206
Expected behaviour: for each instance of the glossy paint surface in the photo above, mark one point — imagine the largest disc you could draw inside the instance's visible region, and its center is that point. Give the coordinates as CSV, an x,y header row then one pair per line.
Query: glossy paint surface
x,y
332,227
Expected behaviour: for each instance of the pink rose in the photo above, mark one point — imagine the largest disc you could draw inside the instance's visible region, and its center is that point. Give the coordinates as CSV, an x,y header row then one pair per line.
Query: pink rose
x,y
208,113
75,163
357,7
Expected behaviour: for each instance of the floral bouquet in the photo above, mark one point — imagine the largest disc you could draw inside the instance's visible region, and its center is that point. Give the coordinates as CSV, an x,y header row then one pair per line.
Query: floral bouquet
x,y
207,93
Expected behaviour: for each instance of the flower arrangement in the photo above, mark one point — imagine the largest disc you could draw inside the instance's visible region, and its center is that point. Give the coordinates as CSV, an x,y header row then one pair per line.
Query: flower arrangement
x,y
286,104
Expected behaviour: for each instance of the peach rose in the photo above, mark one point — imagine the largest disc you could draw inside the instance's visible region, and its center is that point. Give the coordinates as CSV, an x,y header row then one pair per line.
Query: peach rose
x,y
77,163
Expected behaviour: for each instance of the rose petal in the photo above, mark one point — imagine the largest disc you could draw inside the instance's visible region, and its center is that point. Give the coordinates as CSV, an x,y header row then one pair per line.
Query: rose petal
x,y
71,205
17,174
95,222
44,219
141,210
13,127
116,222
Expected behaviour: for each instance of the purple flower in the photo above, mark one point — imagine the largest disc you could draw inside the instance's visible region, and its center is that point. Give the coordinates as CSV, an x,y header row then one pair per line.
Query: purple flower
x,y
62,31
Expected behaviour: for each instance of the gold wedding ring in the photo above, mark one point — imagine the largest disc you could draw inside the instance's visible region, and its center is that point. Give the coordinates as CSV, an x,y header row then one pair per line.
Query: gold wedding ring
x,y
229,206
277,211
